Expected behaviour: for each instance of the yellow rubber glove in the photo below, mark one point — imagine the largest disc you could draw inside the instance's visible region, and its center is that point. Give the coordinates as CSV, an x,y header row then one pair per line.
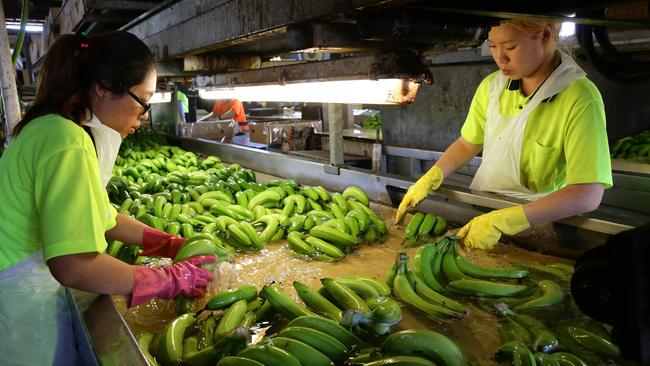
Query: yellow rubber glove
x,y
484,231
419,190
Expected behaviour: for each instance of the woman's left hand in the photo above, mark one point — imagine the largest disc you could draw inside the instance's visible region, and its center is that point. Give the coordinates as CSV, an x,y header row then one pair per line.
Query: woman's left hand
x,y
483,232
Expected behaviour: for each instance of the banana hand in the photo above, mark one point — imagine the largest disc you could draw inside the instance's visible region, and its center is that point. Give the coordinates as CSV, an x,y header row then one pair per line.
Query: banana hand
x,y
419,190
484,231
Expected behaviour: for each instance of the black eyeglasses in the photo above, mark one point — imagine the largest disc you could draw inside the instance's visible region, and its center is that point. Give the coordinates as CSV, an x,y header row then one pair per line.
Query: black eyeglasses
x,y
146,106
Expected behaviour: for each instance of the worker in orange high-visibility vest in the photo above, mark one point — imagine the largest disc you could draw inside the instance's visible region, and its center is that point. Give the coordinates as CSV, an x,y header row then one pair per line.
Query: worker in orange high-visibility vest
x,y
229,109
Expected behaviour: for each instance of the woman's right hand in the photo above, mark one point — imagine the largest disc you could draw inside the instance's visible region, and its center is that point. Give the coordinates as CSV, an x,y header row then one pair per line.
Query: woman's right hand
x,y
185,278
419,191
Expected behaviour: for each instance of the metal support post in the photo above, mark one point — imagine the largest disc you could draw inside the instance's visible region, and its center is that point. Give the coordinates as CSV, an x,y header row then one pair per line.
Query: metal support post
x,y
335,119
8,79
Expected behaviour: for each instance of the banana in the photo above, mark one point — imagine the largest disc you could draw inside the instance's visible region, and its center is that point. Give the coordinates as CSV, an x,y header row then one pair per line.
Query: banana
x,y
239,236
231,319
314,205
594,342
249,230
194,248
296,223
341,202
328,327
338,224
279,234
301,203
171,341
420,287
272,225
486,288
144,341
356,193
427,224
289,207
449,267
344,296
521,355
267,197
568,359
222,209
323,194
306,354
473,270
232,342
282,303
270,355
413,225
545,341
553,271
423,262
328,345
384,310
402,288
567,268
259,211
242,212
309,223
222,223
380,285
425,342
310,193
216,195
238,361
551,294
353,225
226,298
364,290
317,302
441,225
361,216
401,360
242,198
296,242
325,247
334,236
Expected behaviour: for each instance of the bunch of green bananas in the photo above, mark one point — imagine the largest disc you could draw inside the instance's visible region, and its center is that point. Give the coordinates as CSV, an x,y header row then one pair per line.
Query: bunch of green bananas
x,y
632,147
422,228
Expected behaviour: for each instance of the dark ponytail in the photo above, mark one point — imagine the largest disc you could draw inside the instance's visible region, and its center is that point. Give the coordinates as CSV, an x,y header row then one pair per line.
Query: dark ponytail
x,y
115,60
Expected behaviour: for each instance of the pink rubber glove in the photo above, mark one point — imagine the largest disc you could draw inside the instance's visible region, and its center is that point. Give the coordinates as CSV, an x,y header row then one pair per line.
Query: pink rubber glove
x,y
183,278
159,244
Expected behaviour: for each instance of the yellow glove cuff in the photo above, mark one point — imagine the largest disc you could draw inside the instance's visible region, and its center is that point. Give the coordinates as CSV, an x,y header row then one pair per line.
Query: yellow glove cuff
x,y
511,220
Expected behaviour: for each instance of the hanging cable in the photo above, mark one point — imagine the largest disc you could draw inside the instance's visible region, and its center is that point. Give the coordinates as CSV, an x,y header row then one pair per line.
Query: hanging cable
x,y
24,17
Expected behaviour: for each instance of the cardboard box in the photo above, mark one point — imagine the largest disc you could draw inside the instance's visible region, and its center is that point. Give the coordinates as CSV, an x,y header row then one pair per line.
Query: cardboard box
x,y
271,133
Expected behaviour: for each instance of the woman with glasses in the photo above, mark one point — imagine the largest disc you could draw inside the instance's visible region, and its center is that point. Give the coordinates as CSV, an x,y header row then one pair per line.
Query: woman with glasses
x,y
54,209
540,123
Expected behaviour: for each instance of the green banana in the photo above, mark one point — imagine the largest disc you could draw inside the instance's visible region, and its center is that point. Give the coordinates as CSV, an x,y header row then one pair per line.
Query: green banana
x,y
568,359
353,225
328,345
334,236
231,342
171,342
217,195
317,302
364,290
249,230
144,341
566,277
328,327
420,287
473,270
222,223
310,193
338,224
242,213
282,303
270,229
266,197
413,225
423,262
296,223
238,361
441,225
222,209
545,341
239,235
325,247
323,194
344,295
194,248
306,354
231,319
567,268
226,298
401,360
450,268
356,193
384,310
522,356
289,207
594,342
270,356
242,198
379,285
341,202
296,242
551,294
427,224
336,210
315,206
486,288
361,216
425,342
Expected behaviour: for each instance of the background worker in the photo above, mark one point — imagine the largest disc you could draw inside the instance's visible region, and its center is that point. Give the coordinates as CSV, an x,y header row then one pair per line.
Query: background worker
x,y
229,109
55,211
541,126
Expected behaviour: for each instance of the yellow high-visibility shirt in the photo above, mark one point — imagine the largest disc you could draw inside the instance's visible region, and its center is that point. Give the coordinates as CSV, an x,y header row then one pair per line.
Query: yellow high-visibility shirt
x,y
565,141
51,194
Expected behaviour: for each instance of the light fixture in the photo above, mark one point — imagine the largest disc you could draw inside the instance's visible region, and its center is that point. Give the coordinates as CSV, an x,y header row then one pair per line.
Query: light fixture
x,y
160,97
378,79
30,27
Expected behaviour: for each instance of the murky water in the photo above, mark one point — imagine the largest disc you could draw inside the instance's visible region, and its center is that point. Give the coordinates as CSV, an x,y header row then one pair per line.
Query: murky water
x,y
477,333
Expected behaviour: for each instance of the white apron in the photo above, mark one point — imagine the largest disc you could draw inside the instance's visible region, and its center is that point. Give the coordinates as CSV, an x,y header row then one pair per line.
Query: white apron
x,y
499,171
35,320
107,145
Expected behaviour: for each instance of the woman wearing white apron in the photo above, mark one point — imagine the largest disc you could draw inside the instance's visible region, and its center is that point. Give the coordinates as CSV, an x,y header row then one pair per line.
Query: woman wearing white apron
x,y
541,126
54,209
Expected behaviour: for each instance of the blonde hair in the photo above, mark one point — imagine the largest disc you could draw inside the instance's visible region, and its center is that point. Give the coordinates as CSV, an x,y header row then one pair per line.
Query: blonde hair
x,y
534,28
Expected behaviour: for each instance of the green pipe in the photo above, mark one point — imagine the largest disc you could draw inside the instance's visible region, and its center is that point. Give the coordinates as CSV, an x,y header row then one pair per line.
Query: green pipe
x,y
24,16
